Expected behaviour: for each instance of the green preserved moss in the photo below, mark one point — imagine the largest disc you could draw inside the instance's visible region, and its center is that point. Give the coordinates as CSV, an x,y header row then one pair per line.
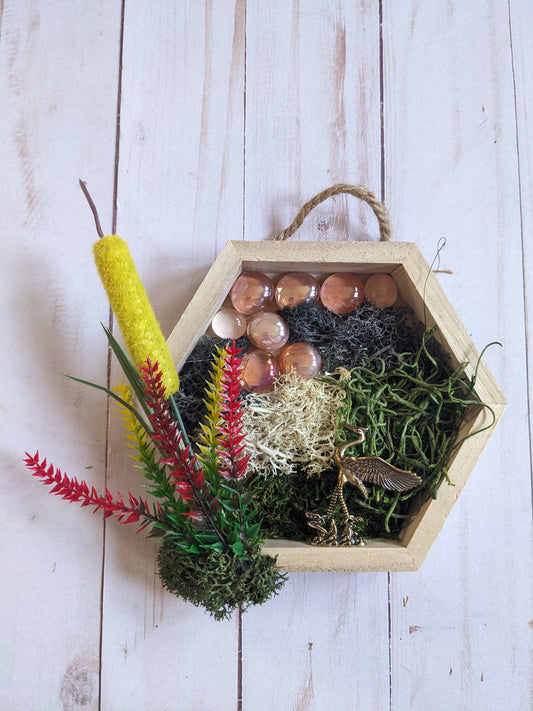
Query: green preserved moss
x,y
219,582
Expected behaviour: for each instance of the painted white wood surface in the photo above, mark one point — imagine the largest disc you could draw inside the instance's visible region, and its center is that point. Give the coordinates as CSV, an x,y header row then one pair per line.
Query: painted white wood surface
x,y
59,68
450,128
232,114
181,159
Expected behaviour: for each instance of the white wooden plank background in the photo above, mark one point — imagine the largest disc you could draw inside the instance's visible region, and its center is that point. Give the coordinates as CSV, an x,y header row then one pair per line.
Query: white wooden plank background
x,y
231,114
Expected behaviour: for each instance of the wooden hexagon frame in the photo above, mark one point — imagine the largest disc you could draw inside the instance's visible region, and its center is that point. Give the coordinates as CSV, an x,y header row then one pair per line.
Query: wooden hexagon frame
x,y
417,287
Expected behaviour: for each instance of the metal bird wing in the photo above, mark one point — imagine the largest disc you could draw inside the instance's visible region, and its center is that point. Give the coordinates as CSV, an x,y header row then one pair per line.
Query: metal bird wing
x,y
375,470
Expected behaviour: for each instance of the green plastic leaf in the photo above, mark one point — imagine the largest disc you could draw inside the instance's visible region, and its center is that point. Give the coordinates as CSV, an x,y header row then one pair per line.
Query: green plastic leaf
x,y
116,397
237,548
130,371
217,547
253,531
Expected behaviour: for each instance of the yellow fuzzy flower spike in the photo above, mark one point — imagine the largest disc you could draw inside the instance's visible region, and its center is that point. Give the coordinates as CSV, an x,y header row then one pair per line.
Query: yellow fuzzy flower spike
x,y
131,306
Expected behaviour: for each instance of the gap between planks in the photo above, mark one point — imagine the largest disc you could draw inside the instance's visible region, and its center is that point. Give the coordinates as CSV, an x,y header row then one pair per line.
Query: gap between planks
x,y
109,351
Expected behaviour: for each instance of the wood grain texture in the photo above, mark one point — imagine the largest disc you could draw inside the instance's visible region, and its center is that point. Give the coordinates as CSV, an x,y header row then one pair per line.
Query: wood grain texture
x,y
232,114
58,72
521,18
450,134
181,159
312,119
314,645
312,115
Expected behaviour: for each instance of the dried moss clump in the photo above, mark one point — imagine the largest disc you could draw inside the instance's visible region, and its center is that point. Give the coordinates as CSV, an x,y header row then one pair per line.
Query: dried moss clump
x,y
219,582
292,424
348,340
281,502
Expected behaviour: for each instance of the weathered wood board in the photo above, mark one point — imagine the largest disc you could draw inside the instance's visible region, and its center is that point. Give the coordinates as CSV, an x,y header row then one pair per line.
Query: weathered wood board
x,y
229,115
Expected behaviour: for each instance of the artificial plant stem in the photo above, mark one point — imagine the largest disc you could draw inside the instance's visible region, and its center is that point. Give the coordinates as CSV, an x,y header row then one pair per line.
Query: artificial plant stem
x,y
99,230
174,407
185,441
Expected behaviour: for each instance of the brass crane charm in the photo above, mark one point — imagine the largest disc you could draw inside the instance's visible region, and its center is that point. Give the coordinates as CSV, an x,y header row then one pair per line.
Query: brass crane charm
x,y
355,471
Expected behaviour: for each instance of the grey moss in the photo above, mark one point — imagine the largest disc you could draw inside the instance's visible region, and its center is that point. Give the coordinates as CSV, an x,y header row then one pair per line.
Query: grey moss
x,y
347,340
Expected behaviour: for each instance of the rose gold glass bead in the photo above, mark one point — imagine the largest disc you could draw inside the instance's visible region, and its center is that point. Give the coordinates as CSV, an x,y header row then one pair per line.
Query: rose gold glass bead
x,y
228,323
342,292
268,330
259,370
381,289
296,288
251,292
302,358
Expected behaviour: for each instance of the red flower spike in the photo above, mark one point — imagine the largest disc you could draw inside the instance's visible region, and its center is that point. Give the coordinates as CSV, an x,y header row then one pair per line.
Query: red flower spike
x,y
73,490
232,466
182,464
166,435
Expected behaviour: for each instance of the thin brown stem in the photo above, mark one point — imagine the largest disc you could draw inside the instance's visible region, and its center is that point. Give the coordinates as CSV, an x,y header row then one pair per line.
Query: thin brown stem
x,y
83,186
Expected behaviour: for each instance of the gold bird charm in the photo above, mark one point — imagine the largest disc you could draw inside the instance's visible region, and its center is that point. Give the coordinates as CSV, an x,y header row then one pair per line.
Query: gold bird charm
x,y
330,536
374,470
355,471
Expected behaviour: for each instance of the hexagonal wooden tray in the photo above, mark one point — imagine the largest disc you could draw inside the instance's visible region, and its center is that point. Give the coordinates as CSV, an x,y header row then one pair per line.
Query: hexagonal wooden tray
x,y
419,288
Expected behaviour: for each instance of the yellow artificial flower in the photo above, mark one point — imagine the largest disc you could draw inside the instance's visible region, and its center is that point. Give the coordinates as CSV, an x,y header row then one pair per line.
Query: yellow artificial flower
x,y
131,306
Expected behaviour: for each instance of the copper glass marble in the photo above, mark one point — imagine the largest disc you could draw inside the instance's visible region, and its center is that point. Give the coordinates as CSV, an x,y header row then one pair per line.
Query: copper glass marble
x,y
296,288
228,323
302,359
342,292
381,289
251,292
259,370
268,330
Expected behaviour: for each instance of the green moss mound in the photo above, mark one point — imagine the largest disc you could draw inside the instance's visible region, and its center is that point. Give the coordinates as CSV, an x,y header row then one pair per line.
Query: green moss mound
x,y
219,582
282,502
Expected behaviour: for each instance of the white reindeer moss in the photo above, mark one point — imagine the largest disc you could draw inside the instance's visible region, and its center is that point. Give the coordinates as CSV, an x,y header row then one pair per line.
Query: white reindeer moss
x,y
294,423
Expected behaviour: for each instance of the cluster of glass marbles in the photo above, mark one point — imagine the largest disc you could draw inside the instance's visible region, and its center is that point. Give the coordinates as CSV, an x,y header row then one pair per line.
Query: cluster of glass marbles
x,y
253,295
